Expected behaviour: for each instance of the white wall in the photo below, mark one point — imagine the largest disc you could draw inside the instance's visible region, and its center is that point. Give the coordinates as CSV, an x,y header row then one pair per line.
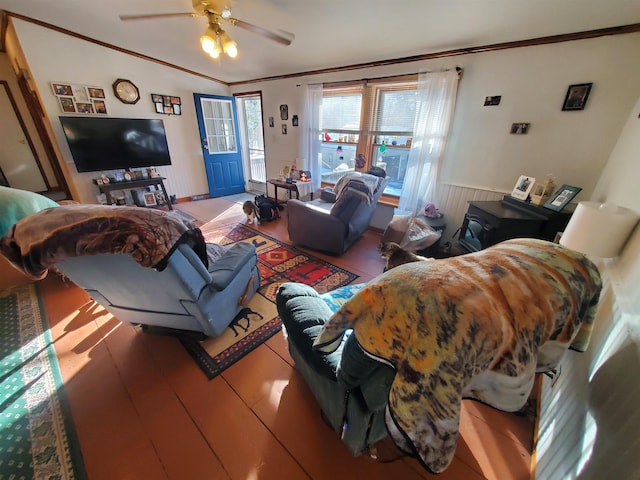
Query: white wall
x,y
84,63
590,420
574,146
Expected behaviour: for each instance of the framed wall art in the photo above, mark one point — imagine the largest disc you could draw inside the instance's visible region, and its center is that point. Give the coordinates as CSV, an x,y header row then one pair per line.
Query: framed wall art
x,y
167,104
74,98
520,128
576,97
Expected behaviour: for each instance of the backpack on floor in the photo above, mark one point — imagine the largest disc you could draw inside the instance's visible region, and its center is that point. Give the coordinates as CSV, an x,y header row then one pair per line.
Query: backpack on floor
x,y
267,209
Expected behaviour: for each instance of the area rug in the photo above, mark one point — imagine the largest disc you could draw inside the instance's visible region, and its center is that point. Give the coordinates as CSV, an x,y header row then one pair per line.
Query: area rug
x,y
278,263
37,437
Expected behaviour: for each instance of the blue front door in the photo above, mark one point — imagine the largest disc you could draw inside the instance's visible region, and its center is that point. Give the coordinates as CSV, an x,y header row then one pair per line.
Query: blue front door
x,y
218,126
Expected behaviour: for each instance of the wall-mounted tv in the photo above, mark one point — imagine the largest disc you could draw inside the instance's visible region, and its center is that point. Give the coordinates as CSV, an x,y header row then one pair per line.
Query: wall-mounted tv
x,y
104,143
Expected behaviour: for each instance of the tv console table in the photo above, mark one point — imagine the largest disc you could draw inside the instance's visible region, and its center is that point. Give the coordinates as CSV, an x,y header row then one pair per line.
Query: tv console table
x,y
107,188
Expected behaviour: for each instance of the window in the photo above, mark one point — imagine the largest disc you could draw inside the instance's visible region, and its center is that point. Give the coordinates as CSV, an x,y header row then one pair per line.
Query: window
x,y
376,120
250,118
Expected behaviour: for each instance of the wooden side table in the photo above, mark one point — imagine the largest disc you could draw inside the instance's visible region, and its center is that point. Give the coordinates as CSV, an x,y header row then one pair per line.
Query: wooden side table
x,y
291,187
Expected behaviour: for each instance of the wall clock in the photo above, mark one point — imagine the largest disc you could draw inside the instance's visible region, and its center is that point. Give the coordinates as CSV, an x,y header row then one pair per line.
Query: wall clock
x,y
126,91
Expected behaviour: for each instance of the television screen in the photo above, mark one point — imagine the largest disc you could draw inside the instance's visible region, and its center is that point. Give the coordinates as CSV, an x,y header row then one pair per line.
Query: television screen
x,y
101,143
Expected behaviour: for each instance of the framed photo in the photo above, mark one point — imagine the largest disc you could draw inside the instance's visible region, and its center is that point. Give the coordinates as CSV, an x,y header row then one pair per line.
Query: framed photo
x,y
84,107
166,104
523,187
284,128
294,121
100,106
576,97
562,197
271,122
62,89
520,128
95,92
492,101
284,112
67,105
149,199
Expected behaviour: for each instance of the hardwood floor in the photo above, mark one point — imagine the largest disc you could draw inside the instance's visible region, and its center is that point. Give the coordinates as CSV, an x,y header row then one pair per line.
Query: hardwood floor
x,y
144,410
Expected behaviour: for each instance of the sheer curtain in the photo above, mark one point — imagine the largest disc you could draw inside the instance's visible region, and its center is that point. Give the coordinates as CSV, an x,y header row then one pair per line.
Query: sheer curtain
x,y
310,137
436,98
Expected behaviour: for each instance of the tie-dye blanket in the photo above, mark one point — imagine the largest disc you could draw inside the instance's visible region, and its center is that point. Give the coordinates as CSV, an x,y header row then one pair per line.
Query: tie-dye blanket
x,y
475,326
39,241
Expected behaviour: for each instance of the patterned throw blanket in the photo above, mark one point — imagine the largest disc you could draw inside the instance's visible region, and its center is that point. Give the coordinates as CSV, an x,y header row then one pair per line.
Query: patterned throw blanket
x,y
476,326
39,241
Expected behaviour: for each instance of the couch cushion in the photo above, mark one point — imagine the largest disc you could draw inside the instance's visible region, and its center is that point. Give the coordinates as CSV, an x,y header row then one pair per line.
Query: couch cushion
x,y
16,204
230,263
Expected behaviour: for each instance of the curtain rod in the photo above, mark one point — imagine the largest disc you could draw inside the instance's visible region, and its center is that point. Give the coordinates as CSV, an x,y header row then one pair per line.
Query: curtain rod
x,y
365,80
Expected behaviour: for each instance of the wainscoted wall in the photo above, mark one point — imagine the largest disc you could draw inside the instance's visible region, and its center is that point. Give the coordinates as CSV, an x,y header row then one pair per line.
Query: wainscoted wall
x,y
453,201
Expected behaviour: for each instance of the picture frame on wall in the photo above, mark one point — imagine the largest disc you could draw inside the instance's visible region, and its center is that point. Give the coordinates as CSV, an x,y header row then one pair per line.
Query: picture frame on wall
x,y
284,112
167,104
523,187
83,99
562,197
576,97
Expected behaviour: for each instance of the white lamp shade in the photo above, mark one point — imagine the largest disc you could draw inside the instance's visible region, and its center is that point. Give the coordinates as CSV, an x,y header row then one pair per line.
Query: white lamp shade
x,y
599,229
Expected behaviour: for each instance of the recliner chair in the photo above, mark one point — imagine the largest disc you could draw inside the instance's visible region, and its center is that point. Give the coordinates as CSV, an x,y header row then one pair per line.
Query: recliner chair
x,y
144,266
335,221
186,295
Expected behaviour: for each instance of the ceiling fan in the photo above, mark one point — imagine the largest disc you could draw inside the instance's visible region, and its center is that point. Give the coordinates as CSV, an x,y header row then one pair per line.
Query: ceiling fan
x,y
215,40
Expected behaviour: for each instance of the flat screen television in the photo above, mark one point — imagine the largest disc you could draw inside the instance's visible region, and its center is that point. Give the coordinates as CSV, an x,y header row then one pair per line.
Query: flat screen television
x,y
105,143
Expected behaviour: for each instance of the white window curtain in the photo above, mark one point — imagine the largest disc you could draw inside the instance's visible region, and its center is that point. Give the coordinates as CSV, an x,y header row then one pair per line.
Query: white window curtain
x,y
310,137
436,98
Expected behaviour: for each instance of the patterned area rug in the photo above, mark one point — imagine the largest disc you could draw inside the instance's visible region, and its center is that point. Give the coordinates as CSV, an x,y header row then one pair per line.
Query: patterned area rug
x,y
37,437
278,263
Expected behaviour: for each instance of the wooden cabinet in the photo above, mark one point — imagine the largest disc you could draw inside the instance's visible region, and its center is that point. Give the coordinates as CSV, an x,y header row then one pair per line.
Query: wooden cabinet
x,y
489,222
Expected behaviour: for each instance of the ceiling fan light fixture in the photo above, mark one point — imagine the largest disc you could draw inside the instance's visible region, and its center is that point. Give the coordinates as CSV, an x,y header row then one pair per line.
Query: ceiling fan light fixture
x,y
229,46
208,41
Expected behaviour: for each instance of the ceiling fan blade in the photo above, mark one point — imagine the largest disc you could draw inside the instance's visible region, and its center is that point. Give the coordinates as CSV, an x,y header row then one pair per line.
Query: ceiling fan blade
x,y
157,15
285,38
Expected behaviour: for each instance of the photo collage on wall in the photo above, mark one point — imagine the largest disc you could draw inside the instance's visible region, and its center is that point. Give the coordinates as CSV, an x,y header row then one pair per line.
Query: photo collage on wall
x,y
166,104
80,98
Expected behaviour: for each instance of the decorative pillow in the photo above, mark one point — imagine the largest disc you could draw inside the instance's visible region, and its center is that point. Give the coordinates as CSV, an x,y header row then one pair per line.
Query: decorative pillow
x,y
16,204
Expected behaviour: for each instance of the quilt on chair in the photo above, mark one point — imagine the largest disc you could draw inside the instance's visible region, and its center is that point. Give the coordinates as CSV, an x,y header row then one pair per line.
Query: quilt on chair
x,y
475,326
37,242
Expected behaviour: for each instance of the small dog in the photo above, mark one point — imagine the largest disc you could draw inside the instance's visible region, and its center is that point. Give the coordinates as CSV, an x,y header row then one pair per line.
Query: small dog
x,y
251,211
396,255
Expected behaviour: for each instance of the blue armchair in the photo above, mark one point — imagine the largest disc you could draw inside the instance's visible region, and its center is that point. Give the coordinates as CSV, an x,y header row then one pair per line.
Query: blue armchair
x,y
144,266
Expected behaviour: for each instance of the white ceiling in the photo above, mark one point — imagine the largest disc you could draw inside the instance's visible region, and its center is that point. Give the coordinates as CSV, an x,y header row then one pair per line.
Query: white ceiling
x,y
328,33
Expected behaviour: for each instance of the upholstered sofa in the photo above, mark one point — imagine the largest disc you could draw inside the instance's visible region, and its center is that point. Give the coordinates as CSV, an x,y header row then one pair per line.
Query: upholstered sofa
x,y
339,217
399,354
145,266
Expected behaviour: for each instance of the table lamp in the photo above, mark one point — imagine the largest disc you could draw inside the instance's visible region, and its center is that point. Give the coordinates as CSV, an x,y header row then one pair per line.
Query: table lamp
x,y
599,229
